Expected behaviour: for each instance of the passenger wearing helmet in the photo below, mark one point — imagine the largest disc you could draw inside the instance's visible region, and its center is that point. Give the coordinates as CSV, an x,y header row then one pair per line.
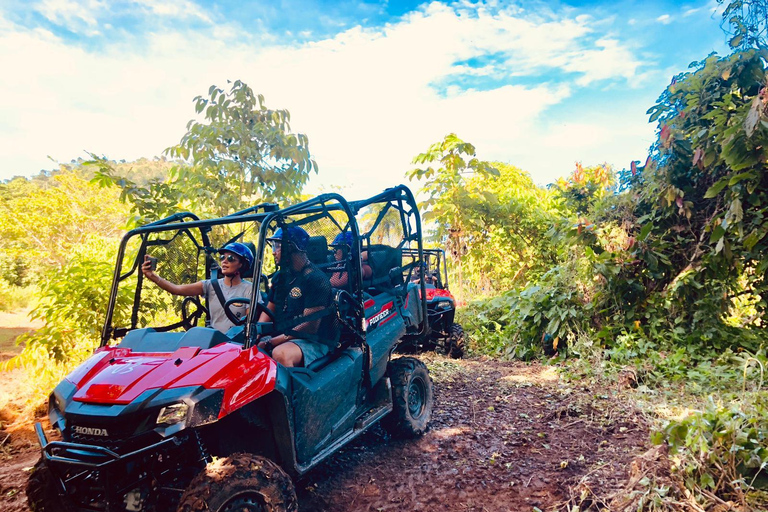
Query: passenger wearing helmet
x,y
236,260
343,246
299,290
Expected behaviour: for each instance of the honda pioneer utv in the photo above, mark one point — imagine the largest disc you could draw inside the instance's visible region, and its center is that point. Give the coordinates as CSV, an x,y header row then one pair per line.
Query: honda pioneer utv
x,y
170,414
443,335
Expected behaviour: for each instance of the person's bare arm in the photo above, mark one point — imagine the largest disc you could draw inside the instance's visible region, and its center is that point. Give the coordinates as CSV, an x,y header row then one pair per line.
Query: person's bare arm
x,y
339,279
176,289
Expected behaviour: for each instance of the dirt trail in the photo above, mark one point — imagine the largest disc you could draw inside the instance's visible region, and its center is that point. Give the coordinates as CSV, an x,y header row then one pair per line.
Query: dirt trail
x,y
504,437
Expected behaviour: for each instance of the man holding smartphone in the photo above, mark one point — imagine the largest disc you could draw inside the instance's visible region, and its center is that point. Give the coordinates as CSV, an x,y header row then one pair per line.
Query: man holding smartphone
x,y
236,260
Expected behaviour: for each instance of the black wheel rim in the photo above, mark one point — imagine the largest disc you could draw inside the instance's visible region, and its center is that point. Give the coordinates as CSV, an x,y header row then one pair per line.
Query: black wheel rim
x,y
247,502
417,391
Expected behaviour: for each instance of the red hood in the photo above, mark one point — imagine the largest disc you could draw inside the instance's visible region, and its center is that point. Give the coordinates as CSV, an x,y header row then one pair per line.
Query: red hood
x,y
119,376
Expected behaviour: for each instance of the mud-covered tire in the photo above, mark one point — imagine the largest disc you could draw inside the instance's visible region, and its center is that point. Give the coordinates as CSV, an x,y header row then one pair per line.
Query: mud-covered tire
x,y
412,398
42,495
456,341
240,483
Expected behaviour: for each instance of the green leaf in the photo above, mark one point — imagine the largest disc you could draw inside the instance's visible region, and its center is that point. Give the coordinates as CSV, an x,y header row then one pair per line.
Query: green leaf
x,y
715,189
717,234
644,231
739,177
751,240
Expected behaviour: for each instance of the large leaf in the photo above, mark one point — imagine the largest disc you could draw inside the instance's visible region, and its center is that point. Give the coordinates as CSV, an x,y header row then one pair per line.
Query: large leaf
x,y
715,189
644,231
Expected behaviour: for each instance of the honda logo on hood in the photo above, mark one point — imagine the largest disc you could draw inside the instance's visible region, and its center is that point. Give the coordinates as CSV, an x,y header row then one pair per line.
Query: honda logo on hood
x,y
91,431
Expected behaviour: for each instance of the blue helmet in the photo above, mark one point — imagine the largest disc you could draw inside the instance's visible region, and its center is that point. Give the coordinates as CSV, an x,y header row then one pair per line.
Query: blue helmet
x,y
293,235
242,251
344,238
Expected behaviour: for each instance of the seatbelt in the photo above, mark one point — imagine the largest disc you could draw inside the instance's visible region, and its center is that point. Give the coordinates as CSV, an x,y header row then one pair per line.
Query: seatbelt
x,y
220,295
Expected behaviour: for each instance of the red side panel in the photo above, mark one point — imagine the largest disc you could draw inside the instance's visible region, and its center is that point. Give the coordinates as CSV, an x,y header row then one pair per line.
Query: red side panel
x,y
253,375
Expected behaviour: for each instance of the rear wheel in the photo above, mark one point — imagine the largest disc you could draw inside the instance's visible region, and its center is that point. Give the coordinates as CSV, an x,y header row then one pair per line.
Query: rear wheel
x,y
42,495
412,398
240,483
456,341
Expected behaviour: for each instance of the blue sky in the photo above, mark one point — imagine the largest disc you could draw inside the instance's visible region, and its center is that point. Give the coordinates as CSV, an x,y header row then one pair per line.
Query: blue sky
x,y
540,85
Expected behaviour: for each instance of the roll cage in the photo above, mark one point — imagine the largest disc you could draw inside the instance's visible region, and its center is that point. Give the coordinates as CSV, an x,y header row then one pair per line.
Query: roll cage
x,y
181,229
386,224
394,203
434,265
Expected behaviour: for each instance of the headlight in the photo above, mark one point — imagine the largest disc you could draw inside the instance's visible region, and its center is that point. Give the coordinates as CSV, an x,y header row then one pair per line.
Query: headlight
x,y
55,403
172,414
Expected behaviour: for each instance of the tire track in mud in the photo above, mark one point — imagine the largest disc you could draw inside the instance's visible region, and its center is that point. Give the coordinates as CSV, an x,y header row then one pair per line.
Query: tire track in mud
x,y
504,436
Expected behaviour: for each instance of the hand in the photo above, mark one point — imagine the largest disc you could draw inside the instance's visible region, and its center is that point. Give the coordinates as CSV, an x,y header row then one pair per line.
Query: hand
x,y
146,268
266,344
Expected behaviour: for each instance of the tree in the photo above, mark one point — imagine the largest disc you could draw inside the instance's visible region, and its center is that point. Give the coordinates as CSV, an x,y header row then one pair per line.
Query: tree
x,y
494,221
747,22
242,154
585,186
41,222
448,197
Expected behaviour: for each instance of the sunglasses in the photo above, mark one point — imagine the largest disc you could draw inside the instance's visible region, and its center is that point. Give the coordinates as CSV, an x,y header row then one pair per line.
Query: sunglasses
x,y
228,257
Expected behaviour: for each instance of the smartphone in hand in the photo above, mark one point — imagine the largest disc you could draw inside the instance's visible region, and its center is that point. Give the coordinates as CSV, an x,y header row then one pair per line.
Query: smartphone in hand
x,y
152,263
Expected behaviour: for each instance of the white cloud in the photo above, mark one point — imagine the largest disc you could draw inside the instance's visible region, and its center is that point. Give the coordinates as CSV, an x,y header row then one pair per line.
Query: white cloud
x,y
175,9
75,15
366,97
665,19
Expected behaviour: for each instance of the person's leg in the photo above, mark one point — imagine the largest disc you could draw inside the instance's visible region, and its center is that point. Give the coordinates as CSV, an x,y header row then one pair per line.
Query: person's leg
x,y
288,354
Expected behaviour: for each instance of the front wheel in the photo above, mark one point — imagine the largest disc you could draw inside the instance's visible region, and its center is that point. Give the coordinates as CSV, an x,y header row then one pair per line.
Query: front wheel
x,y
240,483
42,495
456,341
412,398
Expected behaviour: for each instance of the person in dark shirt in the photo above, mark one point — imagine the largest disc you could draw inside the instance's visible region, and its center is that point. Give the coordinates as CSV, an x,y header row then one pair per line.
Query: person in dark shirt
x,y
299,290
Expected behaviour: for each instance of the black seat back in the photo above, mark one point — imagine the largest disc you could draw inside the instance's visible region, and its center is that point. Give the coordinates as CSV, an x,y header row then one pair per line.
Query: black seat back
x,y
317,250
383,259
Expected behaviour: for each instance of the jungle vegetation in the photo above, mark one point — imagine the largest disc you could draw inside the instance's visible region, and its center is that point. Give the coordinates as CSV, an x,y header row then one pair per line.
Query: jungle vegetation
x,y
659,269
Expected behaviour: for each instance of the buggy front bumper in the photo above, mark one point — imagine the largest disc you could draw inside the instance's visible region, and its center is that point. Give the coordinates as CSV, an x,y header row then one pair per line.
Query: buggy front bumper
x,y
90,478
91,456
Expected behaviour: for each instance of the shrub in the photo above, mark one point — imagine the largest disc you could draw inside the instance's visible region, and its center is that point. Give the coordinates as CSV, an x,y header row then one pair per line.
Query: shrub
x,y
723,449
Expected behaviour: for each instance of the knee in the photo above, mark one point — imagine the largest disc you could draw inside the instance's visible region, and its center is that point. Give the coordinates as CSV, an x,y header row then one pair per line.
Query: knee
x,y
284,355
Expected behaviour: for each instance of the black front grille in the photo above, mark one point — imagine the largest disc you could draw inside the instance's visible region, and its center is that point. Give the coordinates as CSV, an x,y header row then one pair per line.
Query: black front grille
x,y
111,443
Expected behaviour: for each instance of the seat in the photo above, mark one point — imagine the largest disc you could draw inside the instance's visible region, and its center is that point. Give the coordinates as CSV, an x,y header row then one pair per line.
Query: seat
x,y
385,262
317,250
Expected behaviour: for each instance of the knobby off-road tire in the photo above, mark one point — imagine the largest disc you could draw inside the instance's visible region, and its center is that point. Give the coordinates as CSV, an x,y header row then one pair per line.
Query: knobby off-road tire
x,y
456,341
42,495
240,483
412,398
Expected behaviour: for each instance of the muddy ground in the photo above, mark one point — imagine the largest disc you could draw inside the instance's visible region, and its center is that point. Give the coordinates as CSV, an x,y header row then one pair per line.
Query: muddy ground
x,y
505,436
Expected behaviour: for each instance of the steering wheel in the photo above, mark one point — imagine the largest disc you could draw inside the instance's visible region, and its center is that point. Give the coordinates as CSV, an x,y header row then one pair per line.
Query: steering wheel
x,y
262,308
227,311
189,320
